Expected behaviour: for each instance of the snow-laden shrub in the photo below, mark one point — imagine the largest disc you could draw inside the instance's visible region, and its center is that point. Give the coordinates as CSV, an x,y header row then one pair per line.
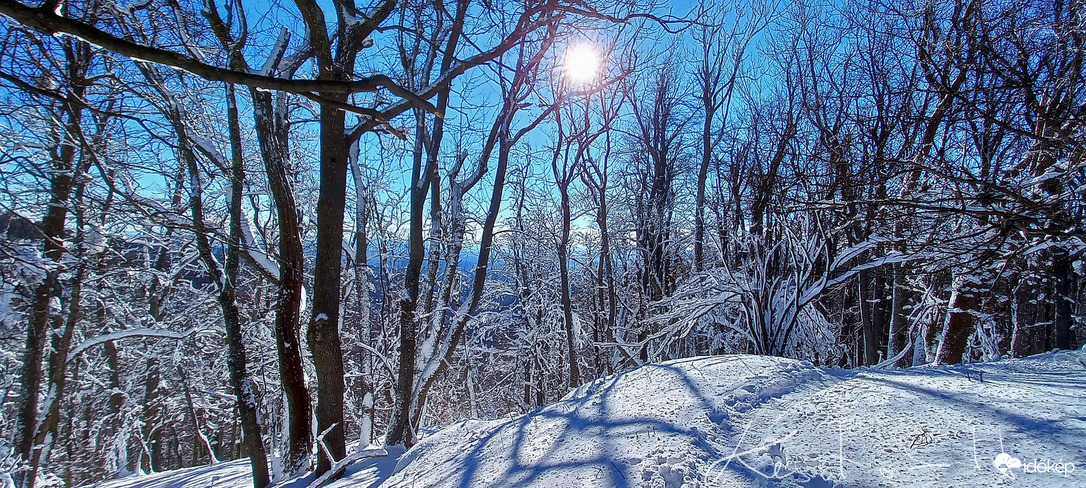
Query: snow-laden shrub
x,y
765,302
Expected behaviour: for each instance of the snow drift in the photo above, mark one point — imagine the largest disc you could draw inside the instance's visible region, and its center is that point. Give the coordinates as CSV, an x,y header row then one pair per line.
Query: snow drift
x,y
762,421
754,421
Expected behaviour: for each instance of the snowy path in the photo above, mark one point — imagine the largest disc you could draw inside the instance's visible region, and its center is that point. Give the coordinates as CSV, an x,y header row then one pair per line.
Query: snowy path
x,y
739,421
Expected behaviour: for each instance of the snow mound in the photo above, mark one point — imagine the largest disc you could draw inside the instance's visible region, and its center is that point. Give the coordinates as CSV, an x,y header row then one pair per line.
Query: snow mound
x,y
754,421
759,421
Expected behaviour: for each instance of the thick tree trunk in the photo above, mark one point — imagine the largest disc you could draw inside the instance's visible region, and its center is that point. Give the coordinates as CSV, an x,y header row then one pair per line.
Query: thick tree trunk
x,y
867,320
49,429
1061,270
287,318
32,362
335,62
323,336
899,323
959,322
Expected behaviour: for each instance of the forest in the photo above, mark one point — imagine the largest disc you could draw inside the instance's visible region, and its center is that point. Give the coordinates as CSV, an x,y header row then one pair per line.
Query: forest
x,y
276,230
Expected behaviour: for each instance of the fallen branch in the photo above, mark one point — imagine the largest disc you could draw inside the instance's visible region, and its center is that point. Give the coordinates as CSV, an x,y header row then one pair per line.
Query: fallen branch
x,y
338,467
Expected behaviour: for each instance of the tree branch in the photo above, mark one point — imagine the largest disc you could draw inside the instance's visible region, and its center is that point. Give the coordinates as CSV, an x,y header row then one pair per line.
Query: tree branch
x,y
48,22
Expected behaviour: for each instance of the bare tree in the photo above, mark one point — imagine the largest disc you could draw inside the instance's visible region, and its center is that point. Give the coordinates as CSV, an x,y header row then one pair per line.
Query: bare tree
x,y
723,43
271,117
66,91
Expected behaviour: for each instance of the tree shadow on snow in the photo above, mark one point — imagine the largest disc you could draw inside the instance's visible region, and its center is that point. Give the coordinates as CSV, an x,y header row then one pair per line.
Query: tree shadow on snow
x,y
591,425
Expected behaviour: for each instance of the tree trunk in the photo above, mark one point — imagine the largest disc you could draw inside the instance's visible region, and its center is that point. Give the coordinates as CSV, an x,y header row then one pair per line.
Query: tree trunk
x,y
364,302
52,228
323,336
567,304
226,280
151,416
113,422
201,447
32,361
703,176
335,62
438,240
272,133
48,431
868,321
1061,269
400,431
959,321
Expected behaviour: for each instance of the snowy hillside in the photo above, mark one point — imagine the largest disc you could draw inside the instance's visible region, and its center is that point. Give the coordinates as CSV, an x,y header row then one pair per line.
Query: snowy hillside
x,y
760,421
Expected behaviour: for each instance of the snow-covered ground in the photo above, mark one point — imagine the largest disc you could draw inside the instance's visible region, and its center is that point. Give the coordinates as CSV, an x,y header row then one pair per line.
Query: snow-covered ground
x,y
757,421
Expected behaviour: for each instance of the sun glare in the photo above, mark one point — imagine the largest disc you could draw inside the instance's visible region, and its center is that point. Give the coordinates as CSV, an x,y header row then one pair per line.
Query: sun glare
x,y
582,63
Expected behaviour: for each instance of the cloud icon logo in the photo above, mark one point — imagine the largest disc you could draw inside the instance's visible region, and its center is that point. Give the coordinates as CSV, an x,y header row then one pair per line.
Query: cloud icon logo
x,y
1004,462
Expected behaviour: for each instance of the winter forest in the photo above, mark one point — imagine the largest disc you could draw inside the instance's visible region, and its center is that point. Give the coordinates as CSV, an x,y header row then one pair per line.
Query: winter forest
x,y
276,230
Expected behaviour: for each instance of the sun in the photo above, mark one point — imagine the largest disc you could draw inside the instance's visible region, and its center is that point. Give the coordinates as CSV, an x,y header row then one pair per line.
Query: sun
x,y
582,63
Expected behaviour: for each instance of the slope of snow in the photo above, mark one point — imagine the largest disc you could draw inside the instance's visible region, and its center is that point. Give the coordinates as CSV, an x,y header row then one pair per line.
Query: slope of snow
x,y
731,421
367,473
228,474
761,421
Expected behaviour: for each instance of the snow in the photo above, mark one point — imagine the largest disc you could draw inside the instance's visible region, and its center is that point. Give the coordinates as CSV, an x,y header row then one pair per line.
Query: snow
x,y
369,472
738,421
8,316
256,254
220,475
